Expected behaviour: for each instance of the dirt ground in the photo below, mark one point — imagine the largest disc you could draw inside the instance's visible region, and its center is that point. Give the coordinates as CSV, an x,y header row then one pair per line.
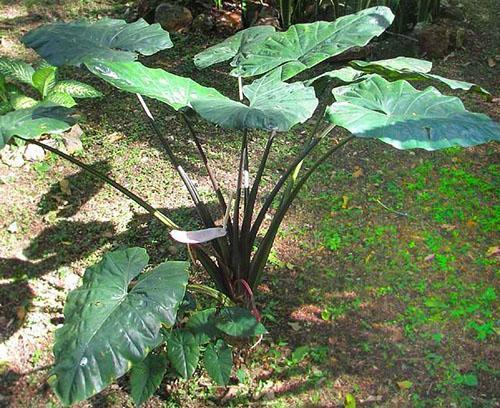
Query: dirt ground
x,y
382,284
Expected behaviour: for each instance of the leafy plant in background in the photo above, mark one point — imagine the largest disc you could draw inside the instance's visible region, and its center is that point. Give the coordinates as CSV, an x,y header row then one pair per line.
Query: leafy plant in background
x,y
43,81
408,12
123,319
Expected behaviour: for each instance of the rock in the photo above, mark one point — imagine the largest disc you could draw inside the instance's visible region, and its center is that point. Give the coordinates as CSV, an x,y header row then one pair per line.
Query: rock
x,y
72,139
173,17
268,16
34,153
434,40
203,23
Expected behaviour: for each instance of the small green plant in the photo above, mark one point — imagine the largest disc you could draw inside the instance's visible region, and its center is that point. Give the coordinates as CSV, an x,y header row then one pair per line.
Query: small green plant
x,y
14,75
124,319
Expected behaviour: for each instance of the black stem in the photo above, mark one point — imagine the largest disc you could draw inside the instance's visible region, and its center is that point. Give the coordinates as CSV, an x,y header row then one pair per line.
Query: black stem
x,y
236,211
284,177
149,208
204,214
258,262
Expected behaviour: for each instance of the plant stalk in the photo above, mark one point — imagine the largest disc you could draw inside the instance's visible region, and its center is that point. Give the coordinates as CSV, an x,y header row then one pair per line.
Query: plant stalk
x,y
150,209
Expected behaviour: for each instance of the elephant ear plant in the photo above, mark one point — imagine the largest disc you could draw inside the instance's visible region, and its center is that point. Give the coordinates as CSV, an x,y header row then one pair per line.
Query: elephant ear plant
x,y
122,318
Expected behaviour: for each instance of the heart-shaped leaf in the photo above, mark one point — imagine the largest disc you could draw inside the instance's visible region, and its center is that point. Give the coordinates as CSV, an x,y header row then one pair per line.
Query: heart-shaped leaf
x,y
174,90
202,325
146,377
35,121
183,352
17,70
218,360
109,326
413,69
274,105
109,39
406,118
232,47
304,45
238,322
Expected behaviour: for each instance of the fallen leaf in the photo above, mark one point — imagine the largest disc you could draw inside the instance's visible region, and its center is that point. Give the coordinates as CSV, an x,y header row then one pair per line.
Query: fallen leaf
x,y
448,227
471,224
358,172
492,62
493,251
405,385
345,201
64,186
349,401
294,325
20,313
116,137
429,257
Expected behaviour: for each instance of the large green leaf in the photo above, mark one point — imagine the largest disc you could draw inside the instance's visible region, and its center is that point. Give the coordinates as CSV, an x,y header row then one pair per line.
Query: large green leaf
x,y
174,90
304,45
406,118
35,121
413,69
238,322
62,99
44,80
115,40
274,105
76,89
109,326
232,47
218,360
183,352
202,325
18,70
146,377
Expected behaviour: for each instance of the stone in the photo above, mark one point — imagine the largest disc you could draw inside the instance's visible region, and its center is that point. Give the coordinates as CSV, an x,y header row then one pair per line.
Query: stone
x,y
34,153
72,139
434,40
203,23
173,17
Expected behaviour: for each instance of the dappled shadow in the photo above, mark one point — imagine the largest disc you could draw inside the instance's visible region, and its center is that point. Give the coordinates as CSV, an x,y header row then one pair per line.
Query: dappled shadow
x,y
83,187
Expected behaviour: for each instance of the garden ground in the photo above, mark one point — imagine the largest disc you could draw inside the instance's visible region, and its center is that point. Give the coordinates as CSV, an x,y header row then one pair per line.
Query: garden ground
x,y
382,283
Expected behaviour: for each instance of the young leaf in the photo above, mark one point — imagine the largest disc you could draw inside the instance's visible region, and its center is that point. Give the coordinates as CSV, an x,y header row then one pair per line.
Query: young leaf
x,y
238,322
76,89
345,75
109,39
146,377
406,118
202,325
413,69
183,352
218,362
35,121
232,47
17,70
199,236
109,327
303,46
44,80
